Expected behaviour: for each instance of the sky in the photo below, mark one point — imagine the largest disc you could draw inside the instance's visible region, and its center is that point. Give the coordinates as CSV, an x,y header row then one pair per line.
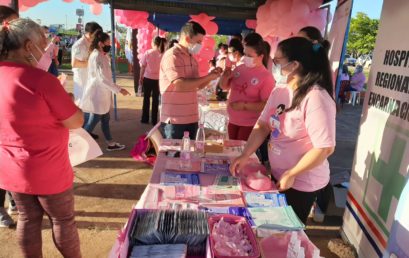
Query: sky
x,y
59,12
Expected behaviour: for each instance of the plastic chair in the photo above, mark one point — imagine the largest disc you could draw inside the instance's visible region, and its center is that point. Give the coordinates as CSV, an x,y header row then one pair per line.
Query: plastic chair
x,y
355,98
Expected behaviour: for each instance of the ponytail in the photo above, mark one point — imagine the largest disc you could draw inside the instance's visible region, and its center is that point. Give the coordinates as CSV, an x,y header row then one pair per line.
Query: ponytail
x,y
266,55
160,43
315,67
15,33
314,34
99,36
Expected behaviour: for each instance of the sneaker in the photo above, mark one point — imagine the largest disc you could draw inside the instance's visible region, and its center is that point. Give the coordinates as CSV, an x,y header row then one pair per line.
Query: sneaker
x,y
115,147
5,220
95,136
12,210
318,214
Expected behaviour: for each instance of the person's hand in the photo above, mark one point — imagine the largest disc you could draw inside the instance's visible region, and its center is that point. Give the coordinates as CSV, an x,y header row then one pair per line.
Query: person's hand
x,y
237,164
237,105
124,92
286,181
214,74
140,81
227,73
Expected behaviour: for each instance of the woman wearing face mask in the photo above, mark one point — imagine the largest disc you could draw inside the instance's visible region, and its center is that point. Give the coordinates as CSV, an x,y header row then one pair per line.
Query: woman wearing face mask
x,y
97,97
250,86
235,53
36,113
149,78
303,136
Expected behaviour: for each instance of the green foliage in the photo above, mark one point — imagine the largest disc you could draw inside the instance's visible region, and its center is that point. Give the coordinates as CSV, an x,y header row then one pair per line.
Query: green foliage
x,y
220,39
362,34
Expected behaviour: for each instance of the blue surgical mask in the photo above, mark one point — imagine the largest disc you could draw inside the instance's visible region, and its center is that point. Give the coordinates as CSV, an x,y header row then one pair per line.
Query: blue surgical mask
x,y
278,74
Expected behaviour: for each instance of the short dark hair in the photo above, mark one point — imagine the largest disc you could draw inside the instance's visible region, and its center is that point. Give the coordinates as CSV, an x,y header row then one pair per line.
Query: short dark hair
x,y
192,29
256,42
92,27
235,45
6,12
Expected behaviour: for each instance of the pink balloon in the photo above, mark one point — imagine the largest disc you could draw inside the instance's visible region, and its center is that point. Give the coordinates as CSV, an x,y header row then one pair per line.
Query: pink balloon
x,y
251,24
313,4
96,9
299,11
208,42
211,28
5,2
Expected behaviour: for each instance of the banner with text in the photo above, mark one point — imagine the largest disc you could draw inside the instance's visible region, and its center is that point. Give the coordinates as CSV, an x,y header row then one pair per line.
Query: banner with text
x,y
381,163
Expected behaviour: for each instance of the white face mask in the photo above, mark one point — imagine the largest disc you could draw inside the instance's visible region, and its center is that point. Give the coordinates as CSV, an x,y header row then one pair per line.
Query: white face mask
x,y
249,61
232,59
195,48
277,73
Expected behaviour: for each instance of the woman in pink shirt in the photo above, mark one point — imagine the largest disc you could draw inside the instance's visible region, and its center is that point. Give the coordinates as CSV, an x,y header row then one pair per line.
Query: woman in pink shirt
x,y
149,78
250,86
300,119
36,113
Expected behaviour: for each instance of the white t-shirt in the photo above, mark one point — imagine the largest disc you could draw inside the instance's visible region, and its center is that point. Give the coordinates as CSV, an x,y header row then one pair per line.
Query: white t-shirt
x,y
80,51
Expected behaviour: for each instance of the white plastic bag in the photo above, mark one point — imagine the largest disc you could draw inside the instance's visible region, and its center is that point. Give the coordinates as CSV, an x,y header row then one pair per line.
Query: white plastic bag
x,y
82,147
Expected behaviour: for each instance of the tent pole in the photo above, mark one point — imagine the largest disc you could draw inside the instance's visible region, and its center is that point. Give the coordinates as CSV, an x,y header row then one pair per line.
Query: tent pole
x,y
113,55
327,22
14,5
136,66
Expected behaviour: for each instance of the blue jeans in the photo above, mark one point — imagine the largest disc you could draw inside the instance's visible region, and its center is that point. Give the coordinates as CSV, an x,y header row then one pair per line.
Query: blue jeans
x,y
175,131
93,120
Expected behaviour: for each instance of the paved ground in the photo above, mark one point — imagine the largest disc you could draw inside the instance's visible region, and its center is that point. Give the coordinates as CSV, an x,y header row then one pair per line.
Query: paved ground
x,y
107,187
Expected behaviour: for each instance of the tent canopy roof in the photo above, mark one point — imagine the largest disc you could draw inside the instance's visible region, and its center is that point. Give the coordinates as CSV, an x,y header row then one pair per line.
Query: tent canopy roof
x,y
170,15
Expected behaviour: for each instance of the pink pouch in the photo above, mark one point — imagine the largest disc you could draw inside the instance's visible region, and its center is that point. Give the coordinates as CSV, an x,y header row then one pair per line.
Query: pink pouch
x,y
232,219
249,181
142,146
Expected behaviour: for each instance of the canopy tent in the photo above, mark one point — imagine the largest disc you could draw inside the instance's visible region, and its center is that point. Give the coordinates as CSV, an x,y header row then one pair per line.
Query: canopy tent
x,y
173,23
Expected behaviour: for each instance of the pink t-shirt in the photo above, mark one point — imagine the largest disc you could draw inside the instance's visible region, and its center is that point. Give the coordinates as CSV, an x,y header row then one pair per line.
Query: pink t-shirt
x,y
294,133
33,142
249,85
178,107
151,60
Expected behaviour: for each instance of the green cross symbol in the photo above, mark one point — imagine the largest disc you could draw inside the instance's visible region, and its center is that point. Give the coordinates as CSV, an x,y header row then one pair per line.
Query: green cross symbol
x,y
387,174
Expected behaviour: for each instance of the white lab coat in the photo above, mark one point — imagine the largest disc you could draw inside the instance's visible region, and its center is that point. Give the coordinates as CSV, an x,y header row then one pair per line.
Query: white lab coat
x,y
80,51
97,96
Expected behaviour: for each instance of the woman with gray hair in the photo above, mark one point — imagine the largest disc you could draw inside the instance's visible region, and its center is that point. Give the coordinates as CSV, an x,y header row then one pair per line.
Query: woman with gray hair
x,y
36,114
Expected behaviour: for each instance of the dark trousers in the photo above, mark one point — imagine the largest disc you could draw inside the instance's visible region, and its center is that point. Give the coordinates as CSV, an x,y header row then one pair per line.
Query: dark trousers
x,y
237,132
175,131
60,210
3,198
150,89
301,202
53,68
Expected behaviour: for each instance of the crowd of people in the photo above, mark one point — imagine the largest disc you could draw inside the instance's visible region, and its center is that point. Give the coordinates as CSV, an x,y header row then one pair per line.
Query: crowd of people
x,y
286,103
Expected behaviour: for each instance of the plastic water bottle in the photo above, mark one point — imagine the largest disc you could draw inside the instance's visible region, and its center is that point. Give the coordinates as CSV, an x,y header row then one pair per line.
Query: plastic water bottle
x,y
185,152
200,140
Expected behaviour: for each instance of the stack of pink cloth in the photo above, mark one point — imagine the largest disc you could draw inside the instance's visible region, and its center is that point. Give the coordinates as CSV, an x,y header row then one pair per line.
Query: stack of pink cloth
x,y
230,239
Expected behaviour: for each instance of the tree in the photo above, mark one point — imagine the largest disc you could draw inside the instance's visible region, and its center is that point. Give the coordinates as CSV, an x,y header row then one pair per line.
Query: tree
x,y
362,34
